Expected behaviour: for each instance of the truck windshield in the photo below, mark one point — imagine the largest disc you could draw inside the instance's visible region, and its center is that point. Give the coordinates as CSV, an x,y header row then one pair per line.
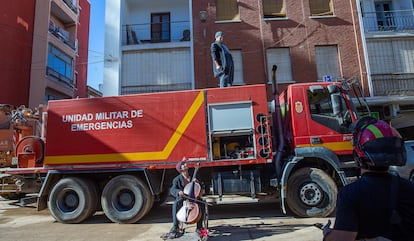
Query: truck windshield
x,y
321,109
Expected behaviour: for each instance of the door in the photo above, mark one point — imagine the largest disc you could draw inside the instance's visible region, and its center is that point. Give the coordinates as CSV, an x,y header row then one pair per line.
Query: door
x,y
385,19
160,27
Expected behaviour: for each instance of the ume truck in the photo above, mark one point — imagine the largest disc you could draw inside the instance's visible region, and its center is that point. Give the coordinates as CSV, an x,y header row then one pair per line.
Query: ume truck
x,y
119,153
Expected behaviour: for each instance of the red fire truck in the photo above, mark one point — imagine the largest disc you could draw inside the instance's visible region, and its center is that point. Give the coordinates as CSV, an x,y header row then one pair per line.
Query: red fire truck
x,y
119,153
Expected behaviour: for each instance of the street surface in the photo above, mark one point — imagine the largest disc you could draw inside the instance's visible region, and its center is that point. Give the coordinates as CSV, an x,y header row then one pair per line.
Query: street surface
x,y
235,222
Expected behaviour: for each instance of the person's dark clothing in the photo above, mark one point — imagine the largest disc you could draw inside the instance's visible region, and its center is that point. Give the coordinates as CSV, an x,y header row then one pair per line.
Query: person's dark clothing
x,y
221,54
364,206
178,185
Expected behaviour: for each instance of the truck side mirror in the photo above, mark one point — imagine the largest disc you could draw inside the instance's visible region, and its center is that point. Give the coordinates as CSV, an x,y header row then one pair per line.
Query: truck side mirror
x,y
333,89
337,107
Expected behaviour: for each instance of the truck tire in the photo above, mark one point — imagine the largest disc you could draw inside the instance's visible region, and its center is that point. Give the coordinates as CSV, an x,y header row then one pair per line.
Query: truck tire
x,y
72,200
126,199
311,193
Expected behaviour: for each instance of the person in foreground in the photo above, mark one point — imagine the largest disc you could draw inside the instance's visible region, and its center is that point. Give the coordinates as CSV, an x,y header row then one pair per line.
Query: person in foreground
x,y
179,183
379,205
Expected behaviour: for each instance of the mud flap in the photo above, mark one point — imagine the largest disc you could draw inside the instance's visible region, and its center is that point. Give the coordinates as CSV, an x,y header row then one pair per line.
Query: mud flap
x,y
51,177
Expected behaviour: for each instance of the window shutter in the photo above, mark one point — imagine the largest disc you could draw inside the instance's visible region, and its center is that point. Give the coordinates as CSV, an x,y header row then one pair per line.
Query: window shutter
x,y
327,62
227,10
281,58
238,67
321,7
274,8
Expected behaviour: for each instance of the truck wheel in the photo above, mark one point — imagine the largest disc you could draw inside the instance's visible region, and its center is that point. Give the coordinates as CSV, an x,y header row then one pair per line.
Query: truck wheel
x,y
311,193
126,199
72,200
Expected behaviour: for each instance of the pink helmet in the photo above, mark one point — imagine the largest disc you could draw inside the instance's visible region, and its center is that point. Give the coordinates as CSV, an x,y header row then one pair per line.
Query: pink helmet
x,y
377,144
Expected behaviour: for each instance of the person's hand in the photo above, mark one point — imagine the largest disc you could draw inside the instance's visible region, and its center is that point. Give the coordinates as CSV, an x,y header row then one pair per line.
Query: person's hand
x,y
218,67
181,194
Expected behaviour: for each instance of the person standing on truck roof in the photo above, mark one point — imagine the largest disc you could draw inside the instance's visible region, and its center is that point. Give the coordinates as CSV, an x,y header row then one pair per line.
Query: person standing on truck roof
x,y
177,191
222,61
379,205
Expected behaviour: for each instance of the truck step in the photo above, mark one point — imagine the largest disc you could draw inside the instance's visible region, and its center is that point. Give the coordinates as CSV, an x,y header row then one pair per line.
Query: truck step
x,y
233,199
27,200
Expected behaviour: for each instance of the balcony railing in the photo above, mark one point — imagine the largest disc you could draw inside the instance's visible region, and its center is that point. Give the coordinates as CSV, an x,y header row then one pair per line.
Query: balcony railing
x,y
155,32
139,89
397,20
61,34
393,84
63,79
72,6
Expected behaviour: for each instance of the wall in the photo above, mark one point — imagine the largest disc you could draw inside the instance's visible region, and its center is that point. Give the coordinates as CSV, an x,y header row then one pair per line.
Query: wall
x,y
16,31
83,43
111,75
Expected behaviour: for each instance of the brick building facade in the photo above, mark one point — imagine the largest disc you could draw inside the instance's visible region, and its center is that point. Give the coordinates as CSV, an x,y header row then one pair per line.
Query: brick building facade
x,y
297,33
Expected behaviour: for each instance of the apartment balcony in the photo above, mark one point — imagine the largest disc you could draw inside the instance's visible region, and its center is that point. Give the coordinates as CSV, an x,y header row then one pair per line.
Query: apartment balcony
x,y
71,6
156,33
53,74
61,10
61,34
388,21
393,84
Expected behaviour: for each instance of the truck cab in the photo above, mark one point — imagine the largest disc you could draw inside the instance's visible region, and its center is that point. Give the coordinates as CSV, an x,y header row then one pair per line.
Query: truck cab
x,y
316,116
316,119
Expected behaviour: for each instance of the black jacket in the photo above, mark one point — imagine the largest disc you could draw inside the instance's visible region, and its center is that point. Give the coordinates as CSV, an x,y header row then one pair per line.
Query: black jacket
x,y
178,185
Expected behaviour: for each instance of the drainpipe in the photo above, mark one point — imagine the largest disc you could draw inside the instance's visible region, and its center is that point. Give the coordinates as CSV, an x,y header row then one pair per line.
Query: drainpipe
x,y
364,45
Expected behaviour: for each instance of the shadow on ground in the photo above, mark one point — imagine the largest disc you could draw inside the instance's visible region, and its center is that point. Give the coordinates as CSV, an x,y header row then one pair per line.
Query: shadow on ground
x,y
251,232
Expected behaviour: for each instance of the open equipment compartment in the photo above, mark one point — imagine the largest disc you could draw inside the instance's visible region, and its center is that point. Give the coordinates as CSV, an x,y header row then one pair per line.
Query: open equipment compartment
x,y
231,128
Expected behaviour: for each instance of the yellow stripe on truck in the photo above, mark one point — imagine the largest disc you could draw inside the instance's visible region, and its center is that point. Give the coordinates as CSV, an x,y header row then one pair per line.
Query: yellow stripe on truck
x,y
136,156
334,146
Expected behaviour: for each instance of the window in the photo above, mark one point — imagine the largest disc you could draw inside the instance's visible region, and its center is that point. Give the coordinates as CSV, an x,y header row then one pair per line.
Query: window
x,y
321,7
75,79
391,56
274,8
222,114
227,10
281,58
238,67
60,65
77,47
79,13
50,96
327,62
321,108
160,27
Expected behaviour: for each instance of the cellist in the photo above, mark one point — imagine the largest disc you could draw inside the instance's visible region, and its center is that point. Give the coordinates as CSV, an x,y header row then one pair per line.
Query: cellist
x,y
177,191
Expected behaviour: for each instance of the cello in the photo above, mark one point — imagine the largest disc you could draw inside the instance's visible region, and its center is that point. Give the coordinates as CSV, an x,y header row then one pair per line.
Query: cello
x,y
190,212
